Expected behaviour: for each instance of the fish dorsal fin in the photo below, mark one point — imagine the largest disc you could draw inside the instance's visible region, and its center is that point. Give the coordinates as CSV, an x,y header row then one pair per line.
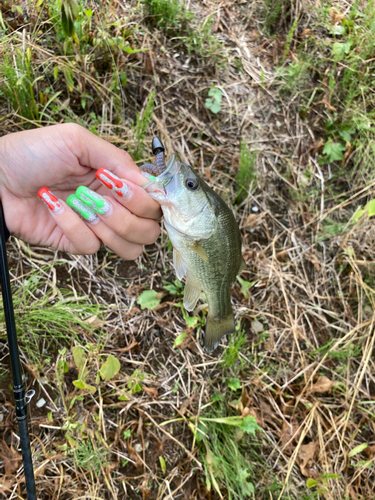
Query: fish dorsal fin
x,y
191,295
179,264
242,265
200,251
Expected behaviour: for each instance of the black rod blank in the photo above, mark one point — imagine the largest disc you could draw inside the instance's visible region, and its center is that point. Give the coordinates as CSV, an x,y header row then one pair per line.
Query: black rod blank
x,y
18,389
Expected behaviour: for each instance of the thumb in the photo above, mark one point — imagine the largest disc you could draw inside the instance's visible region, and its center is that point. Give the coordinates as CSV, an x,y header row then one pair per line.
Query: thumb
x,y
94,152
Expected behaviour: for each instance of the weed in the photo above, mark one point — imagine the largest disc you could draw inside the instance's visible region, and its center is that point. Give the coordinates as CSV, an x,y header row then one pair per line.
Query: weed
x,y
46,320
246,174
236,344
89,456
227,452
142,125
169,15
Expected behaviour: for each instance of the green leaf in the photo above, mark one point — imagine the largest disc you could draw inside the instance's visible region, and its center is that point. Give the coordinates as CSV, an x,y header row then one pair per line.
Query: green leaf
x,y
18,8
123,78
110,368
214,101
340,50
123,397
334,151
357,449
148,299
179,340
358,214
79,357
129,50
163,465
310,483
245,286
88,13
80,384
249,425
191,321
370,208
234,384
171,289
127,434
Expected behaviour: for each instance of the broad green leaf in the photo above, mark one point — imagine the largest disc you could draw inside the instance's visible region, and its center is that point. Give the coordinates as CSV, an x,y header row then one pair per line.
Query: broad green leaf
x,y
88,13
234,384
334,151
310,483
191,321
148,299
110,368
79,357
80,384
358,214
214,101
340,50
179,340
357,449
370,208
249,425
171,289
163,465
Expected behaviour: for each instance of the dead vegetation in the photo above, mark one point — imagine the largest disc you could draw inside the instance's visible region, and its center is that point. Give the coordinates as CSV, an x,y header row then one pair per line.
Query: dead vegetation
x,y
300,362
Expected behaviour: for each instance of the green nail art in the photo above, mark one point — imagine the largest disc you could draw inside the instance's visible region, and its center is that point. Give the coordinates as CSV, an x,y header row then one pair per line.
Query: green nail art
x,y
152,177
80,208
92,199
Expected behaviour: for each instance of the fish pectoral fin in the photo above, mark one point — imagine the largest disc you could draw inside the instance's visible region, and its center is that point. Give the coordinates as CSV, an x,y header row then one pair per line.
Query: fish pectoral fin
x,y
242,266
217,328
179,264
191,295
200,251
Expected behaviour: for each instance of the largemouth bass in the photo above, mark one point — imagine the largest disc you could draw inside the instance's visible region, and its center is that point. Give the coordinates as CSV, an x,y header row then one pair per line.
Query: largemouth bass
x,y
205,237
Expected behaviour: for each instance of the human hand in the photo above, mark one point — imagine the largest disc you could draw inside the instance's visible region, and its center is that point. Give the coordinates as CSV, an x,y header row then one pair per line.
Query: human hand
x,y
64,157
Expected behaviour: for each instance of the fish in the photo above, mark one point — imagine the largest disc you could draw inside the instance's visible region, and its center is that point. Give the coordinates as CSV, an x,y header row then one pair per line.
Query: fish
x,y
205,237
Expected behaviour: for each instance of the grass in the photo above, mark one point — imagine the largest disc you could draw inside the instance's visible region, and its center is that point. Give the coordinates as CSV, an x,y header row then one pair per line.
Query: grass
x,y
293,137
48,317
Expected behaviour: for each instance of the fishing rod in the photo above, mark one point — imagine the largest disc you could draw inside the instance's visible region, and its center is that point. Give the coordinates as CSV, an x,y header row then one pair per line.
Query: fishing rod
x,y
18,390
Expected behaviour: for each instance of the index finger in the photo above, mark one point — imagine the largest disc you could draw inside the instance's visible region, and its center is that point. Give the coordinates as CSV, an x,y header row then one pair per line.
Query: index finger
x,y
94,152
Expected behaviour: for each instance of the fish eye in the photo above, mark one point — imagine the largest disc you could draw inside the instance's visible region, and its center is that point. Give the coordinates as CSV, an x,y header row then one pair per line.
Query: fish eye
x,y
192,184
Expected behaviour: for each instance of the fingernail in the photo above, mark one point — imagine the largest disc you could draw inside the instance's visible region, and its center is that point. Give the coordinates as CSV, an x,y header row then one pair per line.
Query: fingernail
x,y
81,209
94,200
114,183
50,200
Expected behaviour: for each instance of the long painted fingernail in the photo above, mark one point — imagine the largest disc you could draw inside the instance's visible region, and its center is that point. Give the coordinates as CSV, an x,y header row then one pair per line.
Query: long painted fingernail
x,y
51,201
114,183
81,209
94,200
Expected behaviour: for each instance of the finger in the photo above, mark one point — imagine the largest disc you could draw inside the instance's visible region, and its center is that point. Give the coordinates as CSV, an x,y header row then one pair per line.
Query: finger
x,y
133,197
84,241
122,247
94,152
122,222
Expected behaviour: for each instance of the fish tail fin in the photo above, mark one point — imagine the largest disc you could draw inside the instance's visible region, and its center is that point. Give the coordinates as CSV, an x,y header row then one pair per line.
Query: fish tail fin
x,y
216,329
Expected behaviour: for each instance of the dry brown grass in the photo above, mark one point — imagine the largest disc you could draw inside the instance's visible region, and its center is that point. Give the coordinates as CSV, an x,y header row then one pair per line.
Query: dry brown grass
x,y
308,378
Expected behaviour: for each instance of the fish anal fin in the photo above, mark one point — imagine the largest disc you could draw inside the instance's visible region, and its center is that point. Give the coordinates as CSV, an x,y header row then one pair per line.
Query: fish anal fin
x,y
179,264
242,266
216,328
191,295
200,251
